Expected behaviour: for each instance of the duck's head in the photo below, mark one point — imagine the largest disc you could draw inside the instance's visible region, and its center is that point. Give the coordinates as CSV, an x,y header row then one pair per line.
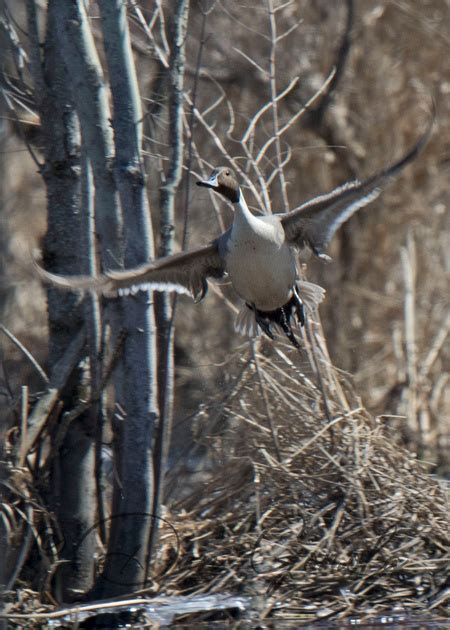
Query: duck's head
x,y
223,180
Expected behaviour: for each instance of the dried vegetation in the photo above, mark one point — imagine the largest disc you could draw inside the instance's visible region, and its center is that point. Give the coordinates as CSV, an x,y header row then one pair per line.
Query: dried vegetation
x,y
311,509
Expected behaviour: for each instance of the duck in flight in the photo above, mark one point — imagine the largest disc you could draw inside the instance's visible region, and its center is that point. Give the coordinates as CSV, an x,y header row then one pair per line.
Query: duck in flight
x,y
257,254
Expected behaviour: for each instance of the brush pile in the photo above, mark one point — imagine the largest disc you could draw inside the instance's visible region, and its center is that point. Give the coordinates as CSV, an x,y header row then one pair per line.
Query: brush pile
x,y
305,506
311,510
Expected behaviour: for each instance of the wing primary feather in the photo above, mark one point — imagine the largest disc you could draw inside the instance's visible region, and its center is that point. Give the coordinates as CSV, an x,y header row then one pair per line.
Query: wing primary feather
x,y
315,222
186,272
349,210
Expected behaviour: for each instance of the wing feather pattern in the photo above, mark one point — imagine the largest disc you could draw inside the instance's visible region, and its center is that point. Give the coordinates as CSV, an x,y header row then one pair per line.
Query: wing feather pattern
x,y
315,222
186,272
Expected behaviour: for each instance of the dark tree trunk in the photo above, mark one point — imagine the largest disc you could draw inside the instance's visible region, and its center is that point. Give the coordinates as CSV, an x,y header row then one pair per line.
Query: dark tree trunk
x,y
73,490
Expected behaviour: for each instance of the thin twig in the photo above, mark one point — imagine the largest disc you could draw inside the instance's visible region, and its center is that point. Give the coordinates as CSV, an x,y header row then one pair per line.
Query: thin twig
x,y
27,353
263,392
42,410
408,257
273,98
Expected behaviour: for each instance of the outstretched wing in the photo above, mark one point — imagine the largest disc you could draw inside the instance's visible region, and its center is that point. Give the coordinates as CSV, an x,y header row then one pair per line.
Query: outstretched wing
x,y
315,222
186,272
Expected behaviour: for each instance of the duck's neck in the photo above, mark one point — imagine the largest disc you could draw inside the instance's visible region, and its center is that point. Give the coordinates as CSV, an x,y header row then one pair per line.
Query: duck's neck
x,y
242,213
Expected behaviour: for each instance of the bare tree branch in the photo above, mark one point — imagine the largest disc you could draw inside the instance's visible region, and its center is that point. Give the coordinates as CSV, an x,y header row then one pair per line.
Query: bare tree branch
x,y
165,306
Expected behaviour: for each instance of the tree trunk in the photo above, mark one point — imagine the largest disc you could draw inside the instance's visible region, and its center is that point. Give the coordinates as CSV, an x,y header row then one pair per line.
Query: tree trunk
x,y
136,389
165,303
73,489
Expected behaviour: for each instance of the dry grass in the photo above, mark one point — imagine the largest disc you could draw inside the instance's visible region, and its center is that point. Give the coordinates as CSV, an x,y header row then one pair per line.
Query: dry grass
x,y
311,511
394,66
343,523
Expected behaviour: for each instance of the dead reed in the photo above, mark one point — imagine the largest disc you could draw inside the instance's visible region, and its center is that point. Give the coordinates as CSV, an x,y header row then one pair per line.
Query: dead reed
x,y
316,513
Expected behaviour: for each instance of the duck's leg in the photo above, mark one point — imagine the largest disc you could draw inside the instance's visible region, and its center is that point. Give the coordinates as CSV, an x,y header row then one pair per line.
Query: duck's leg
x,y
299,308
262,321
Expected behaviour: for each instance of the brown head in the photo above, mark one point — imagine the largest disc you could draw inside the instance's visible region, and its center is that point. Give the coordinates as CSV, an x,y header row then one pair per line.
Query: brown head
x,y
223,180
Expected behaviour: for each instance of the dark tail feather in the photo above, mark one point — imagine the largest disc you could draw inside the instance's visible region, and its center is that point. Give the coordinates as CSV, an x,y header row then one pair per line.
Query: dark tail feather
x,y
285,324
282,317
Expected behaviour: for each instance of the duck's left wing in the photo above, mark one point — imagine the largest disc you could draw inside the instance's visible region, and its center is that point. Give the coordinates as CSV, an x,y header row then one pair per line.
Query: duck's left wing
x,y
186,272
315,222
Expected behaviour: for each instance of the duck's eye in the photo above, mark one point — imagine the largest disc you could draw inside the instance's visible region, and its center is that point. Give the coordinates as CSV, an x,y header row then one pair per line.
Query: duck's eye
x,y
227,172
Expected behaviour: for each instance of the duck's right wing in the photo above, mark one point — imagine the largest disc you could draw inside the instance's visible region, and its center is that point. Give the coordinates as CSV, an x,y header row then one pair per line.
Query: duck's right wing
x,y
186,272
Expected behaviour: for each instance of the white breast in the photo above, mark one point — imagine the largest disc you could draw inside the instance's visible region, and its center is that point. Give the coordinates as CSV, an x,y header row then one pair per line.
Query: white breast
x,y
260,264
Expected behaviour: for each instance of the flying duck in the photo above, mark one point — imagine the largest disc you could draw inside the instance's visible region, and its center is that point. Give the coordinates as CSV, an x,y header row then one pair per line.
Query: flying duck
x,y
257,254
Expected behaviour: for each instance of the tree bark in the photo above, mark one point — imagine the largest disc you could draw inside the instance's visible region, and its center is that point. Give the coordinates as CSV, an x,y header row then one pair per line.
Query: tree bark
x,y
72,476
137,390
165,304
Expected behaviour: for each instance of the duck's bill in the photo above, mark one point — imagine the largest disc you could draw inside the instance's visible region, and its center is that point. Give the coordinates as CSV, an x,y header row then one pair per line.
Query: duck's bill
x,y
212,182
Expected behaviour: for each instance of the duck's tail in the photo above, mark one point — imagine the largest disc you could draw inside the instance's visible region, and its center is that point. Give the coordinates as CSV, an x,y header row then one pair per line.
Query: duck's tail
x,y
306,297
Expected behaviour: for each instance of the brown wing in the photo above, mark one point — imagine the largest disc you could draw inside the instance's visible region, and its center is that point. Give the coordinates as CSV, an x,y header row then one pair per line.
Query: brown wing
x,y
186,272
315,222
